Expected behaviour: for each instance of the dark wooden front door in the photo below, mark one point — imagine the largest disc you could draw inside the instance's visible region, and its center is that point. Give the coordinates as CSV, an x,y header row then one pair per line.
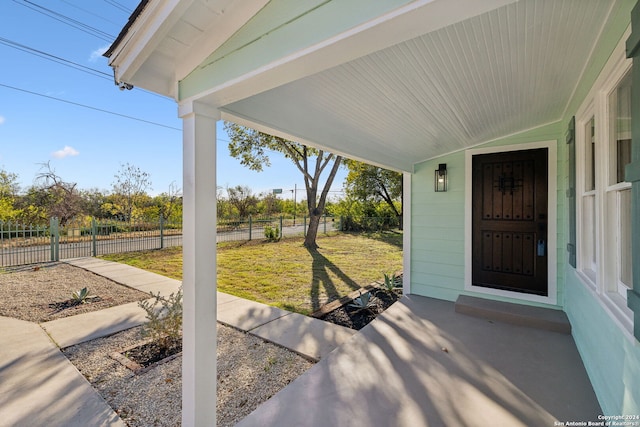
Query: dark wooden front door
x,y
510,221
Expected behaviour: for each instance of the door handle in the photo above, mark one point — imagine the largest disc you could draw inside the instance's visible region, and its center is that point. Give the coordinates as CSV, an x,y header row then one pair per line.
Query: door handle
x,y
541,247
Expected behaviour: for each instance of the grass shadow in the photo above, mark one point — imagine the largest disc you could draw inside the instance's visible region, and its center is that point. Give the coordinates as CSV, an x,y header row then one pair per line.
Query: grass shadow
x,y
391,237
321,267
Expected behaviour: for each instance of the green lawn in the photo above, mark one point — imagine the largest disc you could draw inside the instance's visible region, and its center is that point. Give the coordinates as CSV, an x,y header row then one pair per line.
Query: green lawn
x,y
285,274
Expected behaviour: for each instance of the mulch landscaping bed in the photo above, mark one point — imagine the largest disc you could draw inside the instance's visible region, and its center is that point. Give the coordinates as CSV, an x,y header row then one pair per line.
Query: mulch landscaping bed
x,y
355,318
142,357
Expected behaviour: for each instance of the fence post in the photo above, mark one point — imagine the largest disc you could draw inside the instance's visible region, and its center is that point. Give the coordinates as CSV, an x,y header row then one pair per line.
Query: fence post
x,y
52,238
161,231
281,229
55,239
94,237
250,227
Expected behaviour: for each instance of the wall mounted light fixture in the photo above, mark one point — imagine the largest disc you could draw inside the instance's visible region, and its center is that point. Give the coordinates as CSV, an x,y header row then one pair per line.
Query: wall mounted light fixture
x,y
440,178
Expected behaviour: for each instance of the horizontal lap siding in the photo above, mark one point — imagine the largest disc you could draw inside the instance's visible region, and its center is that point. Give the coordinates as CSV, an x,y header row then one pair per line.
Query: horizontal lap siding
x,y
437,235
611,359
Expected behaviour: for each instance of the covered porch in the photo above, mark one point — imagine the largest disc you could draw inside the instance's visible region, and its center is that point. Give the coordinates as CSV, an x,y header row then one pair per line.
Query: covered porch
x,y
405,85
423,364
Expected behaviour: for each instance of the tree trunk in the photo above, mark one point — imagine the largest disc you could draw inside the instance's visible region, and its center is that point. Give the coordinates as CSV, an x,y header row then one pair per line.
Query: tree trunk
x,y
312,232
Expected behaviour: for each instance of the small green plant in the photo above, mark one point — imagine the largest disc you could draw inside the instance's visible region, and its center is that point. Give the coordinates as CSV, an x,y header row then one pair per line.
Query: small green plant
x,y
164,315
391,282
271,361
80,296
365,301
271,233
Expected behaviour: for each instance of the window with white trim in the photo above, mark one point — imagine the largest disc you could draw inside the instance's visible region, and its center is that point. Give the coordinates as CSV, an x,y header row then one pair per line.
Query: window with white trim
x,y
587,254
617,191
603,149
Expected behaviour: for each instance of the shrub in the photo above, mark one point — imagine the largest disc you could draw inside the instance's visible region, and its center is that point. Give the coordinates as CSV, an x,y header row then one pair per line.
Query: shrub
x,y
164,315
271,233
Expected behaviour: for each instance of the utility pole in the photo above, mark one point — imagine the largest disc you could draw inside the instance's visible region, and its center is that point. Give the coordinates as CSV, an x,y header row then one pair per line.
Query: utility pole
x,y
295,192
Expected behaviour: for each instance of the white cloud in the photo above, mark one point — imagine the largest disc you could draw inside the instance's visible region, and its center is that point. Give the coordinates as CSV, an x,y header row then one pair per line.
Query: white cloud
x,y
1,120
66,151
97,54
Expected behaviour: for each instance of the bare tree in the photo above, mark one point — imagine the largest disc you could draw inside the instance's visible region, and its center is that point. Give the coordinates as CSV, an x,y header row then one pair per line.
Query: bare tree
x,y
169,202
242,199
130,187
59,198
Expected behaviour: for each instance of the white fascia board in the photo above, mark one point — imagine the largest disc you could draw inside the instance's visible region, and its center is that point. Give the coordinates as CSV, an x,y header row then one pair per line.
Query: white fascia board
x,y
144,36
413,20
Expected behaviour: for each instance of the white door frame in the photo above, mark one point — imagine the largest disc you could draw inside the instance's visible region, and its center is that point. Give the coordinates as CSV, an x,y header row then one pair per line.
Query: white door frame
x,y
552,259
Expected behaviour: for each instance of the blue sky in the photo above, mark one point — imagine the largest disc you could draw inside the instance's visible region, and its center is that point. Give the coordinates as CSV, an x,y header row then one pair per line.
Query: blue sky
x,y
84,145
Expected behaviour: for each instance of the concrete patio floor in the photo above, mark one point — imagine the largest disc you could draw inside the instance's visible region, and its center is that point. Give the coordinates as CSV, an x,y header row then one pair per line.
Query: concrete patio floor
x,y
423,364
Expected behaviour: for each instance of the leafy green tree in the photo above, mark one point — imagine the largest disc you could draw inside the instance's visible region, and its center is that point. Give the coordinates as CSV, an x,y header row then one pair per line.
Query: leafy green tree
x,y
373,184
269,204
170,203
358,215
9,189
93,201
251,146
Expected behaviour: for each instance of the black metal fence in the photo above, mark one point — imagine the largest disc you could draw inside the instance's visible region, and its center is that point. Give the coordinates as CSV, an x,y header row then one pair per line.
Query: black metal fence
x,y
29,244
84,237
264,227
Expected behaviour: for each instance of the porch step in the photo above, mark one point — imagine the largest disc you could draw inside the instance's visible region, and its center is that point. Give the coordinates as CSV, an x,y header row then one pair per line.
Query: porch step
x,y
515,314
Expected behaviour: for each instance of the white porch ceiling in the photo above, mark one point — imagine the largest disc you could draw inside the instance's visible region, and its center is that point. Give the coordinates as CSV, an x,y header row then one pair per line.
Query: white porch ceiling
x,y
443,88
502,72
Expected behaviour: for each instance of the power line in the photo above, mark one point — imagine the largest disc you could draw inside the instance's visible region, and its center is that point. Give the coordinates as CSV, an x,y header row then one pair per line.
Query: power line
x,y
91,13
67,20
65,62
90,107
118,6
54,58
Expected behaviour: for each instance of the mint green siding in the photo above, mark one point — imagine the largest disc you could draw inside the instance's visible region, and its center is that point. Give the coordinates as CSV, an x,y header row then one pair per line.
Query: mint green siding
x,y
437,234
612,360
611,357
610,354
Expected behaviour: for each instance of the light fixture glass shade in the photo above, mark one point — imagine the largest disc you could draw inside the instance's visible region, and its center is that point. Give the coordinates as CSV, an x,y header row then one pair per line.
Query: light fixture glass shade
x,y
440,178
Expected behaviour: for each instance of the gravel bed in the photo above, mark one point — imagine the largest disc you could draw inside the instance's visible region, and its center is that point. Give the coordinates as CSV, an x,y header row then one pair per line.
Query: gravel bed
x,y
37,293
250,370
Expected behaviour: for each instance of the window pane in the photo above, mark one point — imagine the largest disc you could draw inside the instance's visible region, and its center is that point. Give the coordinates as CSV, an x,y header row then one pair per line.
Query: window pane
x,y
590,150
588,233
620,123
624,233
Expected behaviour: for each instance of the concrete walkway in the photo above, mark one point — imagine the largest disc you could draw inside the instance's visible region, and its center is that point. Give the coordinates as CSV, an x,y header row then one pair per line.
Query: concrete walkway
x,y
422,364
39,386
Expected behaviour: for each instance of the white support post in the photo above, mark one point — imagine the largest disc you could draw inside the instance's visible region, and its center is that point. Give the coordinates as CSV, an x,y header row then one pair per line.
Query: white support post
x,y
199,265
406,233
